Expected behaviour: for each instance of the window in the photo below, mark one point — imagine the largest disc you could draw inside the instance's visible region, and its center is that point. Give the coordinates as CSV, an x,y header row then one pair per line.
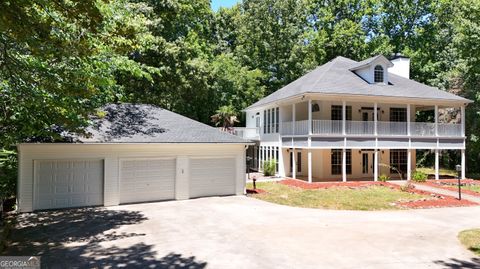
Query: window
x,y
315,108
272,120
398,114
268,121
336,113
264,121
378,74
298,160
398,161
277,119
336,161
276,159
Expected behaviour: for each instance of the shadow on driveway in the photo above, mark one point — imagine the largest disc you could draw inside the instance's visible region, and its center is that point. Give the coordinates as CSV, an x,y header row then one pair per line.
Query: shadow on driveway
x,y
71,239
456,263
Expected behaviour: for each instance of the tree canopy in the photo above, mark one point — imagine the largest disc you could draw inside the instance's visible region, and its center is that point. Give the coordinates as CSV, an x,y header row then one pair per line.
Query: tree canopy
x,y
61,60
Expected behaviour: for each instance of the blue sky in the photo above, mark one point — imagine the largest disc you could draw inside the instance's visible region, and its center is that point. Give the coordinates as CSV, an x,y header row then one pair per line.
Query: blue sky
x,y
216,4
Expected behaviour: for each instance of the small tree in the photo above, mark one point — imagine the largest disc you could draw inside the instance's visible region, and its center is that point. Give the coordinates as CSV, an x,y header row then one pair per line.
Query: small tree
x,y
226,116
8,175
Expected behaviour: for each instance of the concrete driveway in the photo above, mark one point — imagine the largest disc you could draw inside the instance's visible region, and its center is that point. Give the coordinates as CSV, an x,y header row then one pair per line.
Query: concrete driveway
x,y
242,232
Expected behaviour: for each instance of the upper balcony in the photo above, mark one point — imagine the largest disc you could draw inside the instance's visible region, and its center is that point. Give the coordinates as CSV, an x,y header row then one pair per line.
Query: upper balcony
x,y
368,128
330,117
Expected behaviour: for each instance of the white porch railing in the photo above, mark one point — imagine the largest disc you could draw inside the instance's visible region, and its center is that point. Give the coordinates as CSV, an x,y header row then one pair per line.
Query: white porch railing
x,y
244,132
391,128
422,129
445,129
327,127
360,127
301,127
384,128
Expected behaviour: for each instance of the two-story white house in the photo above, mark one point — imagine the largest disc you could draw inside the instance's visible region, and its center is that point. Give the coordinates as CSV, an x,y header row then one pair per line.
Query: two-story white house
x,y
348,119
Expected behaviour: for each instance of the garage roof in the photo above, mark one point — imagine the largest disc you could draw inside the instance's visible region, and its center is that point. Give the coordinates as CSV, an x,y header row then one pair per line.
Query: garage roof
x,y
140,123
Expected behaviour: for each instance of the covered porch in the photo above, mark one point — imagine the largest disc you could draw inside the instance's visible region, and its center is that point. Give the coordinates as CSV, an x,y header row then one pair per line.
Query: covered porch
x,y
341,165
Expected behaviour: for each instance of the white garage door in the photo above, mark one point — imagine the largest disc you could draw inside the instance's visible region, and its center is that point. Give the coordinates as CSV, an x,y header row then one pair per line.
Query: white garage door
x,y
146,180
68,183
213,176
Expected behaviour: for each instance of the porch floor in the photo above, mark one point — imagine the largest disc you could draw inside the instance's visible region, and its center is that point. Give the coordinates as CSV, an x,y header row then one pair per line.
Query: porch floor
x,y
314,179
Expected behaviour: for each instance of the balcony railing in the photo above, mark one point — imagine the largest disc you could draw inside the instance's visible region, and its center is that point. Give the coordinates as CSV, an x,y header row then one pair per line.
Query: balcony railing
x,y
244,132
384,128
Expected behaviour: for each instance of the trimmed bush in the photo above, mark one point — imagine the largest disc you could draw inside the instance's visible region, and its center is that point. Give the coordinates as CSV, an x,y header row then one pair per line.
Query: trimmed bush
x,y
269,167
419,176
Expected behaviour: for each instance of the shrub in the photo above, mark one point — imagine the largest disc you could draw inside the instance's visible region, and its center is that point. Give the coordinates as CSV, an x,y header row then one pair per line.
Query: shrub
x,y
407,187
383,178
419,176
269,167
8,175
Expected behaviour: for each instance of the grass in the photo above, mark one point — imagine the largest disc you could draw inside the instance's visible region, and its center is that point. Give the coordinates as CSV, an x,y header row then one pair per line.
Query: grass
x,y
367,198
475,188
431,171
471,240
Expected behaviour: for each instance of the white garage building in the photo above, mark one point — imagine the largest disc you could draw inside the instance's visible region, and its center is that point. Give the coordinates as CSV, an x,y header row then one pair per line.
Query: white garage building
x,y
135,153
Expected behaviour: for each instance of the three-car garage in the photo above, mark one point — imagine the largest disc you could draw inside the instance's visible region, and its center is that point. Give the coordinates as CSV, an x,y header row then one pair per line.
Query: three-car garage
x,y
132,169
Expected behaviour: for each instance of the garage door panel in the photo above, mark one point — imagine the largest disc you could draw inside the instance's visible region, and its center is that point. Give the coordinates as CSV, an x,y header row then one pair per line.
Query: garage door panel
x,y
212,176
68,183
147,180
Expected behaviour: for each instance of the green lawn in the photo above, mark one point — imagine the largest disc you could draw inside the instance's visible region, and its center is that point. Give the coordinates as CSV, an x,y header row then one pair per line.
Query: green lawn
x,y
431,171
471,240
368,198
475,188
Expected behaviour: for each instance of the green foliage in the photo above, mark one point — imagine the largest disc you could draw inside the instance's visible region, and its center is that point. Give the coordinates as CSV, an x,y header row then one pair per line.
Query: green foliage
x,y
226,116
8,174
269,167
383,178
419,176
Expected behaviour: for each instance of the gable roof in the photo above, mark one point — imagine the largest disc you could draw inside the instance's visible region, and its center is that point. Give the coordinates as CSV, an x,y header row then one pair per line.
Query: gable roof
x,y
369,61
336,77
139,123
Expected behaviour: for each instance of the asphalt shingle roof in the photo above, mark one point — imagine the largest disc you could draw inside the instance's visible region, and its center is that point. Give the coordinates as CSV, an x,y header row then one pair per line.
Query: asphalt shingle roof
x,y
139,123
335,77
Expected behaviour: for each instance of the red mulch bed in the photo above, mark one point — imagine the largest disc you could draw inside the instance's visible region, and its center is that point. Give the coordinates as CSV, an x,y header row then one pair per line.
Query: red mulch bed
x,y
255,191
436,200
451,185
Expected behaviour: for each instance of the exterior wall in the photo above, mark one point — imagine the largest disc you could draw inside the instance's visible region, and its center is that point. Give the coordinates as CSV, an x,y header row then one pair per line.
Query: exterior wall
x,y
112,153
321,164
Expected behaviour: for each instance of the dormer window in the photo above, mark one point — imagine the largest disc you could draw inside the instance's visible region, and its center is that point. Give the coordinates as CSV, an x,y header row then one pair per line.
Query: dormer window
x,y
378,74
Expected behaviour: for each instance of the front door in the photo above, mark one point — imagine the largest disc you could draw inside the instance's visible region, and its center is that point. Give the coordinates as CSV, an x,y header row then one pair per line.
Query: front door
x,y
367,162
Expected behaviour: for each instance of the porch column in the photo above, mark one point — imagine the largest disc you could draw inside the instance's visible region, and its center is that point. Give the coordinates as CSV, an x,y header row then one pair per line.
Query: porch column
x,y
309,117
309,166
375,118
294,164
409,164
408,121
463,164
375,165
436,120
344,117
437,164
344,165
293,118
463,120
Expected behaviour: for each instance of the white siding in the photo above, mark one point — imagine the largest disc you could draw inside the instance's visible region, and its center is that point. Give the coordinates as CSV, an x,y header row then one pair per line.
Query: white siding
x,y
111,155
